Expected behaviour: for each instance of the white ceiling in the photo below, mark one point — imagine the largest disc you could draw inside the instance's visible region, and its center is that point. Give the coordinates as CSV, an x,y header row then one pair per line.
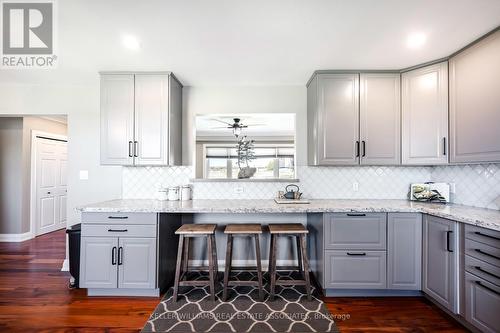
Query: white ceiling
x,y
260,42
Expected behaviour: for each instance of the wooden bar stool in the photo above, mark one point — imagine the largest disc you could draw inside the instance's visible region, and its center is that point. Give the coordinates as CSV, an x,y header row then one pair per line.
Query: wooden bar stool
x,y
300,232
186,232
244,230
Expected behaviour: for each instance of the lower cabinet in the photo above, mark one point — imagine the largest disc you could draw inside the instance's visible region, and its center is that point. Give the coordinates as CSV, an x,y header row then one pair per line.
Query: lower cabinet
x,y
116,262
440,261
404,251
482,303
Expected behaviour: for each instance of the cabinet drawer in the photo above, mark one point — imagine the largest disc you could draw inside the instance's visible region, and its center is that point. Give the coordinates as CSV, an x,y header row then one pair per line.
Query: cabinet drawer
x,y
482,269
355,269
120,218
482,301
118,230
355,231
482,251
490,237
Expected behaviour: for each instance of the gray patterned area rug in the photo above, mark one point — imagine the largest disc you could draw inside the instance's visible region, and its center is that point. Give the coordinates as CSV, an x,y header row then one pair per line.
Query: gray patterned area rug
x,y
195,312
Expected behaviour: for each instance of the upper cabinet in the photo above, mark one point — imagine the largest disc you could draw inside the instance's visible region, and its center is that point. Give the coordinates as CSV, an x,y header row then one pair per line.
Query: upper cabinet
x,y
425,115
475,103
141,119
354,119
380,118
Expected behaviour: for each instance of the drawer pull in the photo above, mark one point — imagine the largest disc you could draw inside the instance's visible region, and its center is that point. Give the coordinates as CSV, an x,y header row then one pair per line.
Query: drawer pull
x,y
120,256
486,272
356,253
113,255
117,230
486,254
354,214
448,240
487,288
485,235
118,217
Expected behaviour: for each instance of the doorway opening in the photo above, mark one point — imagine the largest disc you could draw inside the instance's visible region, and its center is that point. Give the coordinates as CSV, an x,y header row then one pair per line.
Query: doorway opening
x,y
33,175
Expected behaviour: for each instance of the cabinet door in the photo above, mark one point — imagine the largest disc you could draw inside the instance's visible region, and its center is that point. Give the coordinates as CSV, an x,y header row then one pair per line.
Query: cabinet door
x,y
474,103
482,303
380,119
338,119
117,119
404,251
151,119
98,262
440,261
137,263
425,115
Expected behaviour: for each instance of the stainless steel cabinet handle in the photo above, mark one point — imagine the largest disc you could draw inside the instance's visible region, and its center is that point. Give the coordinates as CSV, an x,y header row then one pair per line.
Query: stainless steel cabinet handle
x,y
364,148
356,253
130,149
117,230
113,255
448,233
120,256
486,272
444,146
136,148
485,235
487,288
486,254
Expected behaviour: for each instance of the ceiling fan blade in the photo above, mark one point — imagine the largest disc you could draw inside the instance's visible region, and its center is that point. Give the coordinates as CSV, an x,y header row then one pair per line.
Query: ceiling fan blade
x,y
220,121
220,127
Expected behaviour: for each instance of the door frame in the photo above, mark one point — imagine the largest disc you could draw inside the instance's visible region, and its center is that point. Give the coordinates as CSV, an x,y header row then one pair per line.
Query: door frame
x,y
34,134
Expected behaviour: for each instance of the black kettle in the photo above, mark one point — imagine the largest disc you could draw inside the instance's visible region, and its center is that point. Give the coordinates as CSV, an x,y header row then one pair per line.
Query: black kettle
x,y
290,193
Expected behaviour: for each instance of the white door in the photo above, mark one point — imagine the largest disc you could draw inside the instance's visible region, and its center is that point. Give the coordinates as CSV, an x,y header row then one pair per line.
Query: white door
x,y
51,185
151,120
425,115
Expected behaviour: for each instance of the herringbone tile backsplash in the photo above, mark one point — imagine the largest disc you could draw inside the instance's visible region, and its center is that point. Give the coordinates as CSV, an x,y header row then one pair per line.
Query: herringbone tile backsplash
x,y
476,185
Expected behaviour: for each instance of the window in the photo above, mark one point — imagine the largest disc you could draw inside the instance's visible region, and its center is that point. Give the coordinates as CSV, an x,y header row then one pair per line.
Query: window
x,y
271,162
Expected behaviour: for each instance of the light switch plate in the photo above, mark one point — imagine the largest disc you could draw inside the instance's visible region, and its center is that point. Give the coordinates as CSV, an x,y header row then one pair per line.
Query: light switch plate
x,y
355,186
84,174
238,189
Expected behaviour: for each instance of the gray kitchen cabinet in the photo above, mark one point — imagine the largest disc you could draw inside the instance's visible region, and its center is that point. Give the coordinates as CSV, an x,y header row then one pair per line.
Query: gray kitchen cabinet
x,y
117,119
482,303
355,269
474,102
380,118
404,251
362,231
333,119
425,115
99,262
440,261
137,263
141,117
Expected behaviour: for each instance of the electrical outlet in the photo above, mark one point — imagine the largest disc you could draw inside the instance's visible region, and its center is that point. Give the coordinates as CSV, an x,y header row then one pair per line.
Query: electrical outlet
x,y
355,186
84,174
238,189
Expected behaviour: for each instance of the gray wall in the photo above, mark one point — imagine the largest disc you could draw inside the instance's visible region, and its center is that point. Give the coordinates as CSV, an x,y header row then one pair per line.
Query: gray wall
x,y
11,146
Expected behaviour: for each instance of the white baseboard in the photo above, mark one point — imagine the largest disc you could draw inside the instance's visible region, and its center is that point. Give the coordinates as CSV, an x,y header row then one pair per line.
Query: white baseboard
x,y
16,237
65,266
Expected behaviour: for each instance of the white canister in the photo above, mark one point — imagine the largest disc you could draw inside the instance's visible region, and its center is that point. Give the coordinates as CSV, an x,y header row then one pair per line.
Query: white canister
x,y
186,192
173,193
162,195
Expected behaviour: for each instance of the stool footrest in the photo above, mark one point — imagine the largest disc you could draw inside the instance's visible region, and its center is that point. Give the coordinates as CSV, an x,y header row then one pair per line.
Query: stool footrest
x,y
243,283
291,282
195,283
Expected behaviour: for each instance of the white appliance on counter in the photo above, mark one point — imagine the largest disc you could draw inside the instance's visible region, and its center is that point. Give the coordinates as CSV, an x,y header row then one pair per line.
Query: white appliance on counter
x,y
430,191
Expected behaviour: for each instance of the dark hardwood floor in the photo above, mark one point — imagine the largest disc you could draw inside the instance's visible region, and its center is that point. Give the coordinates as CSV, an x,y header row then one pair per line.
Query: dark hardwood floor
x,y
34,297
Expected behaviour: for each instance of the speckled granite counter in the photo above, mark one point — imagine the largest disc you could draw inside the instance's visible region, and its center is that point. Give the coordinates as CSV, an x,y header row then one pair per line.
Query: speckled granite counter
x,y
486,218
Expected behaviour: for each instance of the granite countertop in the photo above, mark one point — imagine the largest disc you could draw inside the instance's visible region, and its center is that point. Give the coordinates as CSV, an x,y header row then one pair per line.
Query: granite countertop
x,y
482,217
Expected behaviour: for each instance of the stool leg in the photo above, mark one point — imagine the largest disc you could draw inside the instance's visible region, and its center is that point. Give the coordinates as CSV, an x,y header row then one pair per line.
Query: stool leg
x,y
211,267
272,269
178,267
259,267
303,246
227,269
185,259
299,255
216,261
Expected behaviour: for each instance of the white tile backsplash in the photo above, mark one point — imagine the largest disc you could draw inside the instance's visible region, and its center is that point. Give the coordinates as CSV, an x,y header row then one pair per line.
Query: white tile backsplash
x,y
476,185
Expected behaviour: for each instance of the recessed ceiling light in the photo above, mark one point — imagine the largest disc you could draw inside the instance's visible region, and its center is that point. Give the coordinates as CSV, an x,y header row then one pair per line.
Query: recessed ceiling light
x,y
131,42
416,40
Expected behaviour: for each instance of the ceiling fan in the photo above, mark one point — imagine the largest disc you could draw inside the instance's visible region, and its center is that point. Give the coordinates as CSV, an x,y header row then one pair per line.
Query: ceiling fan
x,y
236,126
